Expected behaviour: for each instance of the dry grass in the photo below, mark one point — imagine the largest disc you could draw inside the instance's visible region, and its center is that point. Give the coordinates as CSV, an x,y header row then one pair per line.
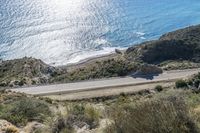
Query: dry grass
x,y
155,116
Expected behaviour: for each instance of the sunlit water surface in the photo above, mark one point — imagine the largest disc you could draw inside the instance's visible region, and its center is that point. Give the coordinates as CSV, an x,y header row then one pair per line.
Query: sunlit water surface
x,y
66,31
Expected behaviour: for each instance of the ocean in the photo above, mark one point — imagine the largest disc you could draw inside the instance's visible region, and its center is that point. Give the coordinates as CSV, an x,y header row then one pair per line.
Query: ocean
x,y
61,32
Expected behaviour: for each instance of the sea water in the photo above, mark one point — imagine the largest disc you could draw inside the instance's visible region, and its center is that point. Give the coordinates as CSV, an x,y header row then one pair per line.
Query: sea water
x,y
61,32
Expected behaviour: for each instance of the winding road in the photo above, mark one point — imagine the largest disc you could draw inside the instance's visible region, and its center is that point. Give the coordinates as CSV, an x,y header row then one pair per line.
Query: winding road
x,y
103,84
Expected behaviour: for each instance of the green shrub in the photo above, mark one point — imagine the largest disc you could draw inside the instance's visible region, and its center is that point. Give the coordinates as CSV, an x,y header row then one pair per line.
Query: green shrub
x,y
181,84
159,88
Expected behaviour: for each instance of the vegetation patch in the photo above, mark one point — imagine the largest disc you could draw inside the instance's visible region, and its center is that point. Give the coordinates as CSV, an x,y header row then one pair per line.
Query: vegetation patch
x,y
78,117
100,69
191,83
159,88
156,116
178,64
181,84
24,110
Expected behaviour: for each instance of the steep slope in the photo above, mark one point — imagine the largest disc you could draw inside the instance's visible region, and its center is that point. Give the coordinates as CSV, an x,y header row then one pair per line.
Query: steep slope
x,y
182,44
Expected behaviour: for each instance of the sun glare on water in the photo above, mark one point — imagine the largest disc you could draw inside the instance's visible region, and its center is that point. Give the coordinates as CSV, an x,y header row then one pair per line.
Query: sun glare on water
x,y
60,32
62,5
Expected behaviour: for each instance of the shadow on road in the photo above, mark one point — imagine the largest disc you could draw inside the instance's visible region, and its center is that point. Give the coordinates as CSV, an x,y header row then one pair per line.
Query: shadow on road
x,y
148,77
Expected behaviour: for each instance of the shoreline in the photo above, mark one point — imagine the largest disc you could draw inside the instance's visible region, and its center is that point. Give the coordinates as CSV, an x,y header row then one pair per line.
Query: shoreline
x,y
91,60
82,62
88,59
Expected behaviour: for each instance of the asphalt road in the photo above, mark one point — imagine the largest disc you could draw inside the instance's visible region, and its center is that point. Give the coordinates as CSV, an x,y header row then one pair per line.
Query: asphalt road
x,y
106,83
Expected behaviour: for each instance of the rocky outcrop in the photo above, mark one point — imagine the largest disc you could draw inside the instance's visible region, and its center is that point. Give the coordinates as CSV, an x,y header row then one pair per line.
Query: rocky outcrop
x,y
7,127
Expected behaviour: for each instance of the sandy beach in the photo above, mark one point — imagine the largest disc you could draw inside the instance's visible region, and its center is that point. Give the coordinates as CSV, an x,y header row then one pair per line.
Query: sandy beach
x,y
90,60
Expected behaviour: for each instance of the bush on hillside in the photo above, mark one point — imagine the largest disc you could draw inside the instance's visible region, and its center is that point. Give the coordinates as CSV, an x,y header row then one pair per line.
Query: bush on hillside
x,y
159,88
25,110
181,84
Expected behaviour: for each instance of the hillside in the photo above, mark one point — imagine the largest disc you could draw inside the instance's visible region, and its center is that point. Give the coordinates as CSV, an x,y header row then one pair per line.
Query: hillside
x,y
25,71
175,108
162,109
182,44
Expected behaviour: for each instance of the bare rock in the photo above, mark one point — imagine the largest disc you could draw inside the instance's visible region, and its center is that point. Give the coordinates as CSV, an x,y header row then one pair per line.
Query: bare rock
x,y
7,127
118,51
33,127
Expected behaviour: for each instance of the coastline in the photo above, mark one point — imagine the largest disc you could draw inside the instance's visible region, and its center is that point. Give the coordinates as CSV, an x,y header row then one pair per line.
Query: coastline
x,y
172,51
90,60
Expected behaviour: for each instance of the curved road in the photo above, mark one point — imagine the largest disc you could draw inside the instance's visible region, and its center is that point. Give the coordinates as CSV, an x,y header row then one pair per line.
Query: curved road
x,y
106,83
